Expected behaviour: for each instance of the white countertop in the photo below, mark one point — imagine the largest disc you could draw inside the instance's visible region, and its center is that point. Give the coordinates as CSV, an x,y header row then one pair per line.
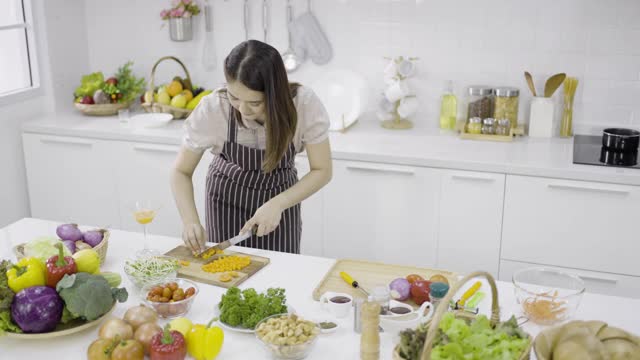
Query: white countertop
x,y
299,284
368,142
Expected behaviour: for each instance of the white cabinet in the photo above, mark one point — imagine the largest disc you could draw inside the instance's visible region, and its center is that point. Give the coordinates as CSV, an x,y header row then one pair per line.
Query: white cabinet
x,y
595,282
143,173
470,221
70,179
381,213
312,242
574,224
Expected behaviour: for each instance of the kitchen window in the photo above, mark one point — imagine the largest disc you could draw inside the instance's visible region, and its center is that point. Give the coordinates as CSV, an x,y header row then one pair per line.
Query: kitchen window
x,y
18,66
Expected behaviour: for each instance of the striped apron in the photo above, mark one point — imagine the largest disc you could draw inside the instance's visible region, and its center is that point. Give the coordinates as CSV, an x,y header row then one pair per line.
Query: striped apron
x,y
237,187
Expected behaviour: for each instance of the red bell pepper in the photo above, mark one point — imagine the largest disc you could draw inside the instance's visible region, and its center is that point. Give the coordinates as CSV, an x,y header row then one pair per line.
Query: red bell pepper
x,y
58,266
168,345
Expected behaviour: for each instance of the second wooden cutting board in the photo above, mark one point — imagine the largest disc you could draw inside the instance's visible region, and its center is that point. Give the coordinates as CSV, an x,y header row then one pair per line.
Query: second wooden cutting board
x,y
194,270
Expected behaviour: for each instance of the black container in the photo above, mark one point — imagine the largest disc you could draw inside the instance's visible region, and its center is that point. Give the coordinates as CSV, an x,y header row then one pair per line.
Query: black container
x,y
623,140
618,158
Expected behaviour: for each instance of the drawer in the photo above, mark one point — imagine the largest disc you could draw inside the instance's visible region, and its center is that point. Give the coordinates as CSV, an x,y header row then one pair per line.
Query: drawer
x,y
595,282
573,224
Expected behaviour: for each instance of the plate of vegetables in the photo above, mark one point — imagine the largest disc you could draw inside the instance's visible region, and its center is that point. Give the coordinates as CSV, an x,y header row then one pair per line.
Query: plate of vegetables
x,y
241,310
61,296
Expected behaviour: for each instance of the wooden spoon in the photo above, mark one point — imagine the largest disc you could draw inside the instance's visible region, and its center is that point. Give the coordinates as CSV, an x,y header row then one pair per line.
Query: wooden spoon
x,y
530,83
553,83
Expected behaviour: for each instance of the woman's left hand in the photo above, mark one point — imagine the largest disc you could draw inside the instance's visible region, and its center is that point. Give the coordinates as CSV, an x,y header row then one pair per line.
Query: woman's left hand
x,y
266,219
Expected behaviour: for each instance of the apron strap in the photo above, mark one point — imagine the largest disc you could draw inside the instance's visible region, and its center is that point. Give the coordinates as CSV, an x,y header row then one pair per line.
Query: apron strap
x,y
232,132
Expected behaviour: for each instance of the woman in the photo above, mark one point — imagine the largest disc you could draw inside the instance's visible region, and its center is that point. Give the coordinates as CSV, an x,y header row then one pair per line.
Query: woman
x,y
254,126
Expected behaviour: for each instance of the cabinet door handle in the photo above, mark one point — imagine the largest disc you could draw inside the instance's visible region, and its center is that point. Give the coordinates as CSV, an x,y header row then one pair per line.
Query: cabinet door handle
x,y
80,142
157,148
473,178
598,279
601,189
380,169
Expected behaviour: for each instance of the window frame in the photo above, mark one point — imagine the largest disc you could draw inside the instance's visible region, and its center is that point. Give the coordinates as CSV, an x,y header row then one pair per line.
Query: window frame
x,y
36,87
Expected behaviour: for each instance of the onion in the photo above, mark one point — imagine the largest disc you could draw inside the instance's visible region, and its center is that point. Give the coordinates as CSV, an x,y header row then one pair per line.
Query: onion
x,y
93,237
145,333
115,327
81,245
71,245
69,232
400,289
139,315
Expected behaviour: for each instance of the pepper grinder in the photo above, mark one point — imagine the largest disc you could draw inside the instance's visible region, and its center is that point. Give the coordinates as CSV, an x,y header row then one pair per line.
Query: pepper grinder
x,y
370,338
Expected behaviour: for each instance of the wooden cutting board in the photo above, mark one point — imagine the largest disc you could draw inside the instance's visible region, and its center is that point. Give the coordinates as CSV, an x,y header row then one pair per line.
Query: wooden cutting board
x,y
371,274
194,271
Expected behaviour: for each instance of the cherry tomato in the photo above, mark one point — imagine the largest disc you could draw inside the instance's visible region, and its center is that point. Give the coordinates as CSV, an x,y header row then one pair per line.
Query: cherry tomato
x,y
413,278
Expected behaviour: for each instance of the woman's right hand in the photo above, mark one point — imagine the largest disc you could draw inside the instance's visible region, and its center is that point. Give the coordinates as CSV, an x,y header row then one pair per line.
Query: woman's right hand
x,y
194,237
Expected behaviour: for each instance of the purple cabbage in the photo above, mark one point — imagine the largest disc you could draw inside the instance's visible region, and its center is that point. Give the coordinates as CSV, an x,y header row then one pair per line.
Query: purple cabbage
x,y
37,309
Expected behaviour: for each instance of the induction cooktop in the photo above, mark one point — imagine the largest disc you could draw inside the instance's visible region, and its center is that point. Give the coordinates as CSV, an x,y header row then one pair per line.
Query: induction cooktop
x,y
588,150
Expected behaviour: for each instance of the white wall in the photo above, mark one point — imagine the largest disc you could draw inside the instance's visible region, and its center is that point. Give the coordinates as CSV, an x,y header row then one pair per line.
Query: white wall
x,y
468,41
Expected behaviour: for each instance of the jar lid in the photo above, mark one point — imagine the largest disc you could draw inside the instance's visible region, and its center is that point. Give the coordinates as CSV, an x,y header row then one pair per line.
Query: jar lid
x,y
438,289
504,122
507,91
489,121
480,90
475,120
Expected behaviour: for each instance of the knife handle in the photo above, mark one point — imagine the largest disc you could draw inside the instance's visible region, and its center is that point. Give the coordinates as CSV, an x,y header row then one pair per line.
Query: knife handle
x,y
346,277
469,293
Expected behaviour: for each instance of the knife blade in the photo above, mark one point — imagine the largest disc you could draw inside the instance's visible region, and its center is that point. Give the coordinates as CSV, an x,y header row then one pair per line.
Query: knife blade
x,y
227,243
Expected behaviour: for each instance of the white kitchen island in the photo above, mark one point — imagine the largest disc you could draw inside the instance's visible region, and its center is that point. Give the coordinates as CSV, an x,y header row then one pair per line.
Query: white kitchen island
x,y
298,274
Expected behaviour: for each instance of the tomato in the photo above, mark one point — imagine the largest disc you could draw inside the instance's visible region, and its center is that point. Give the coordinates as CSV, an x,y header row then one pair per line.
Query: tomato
x,y
100,349
413,278
128,350
420,291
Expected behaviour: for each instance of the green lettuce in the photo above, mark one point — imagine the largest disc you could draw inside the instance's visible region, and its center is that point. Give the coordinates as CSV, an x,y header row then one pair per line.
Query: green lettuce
x,y
89,84
44,247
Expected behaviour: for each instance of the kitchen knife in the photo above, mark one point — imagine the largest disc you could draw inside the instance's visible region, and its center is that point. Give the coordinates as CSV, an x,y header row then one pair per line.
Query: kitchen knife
x,y
227,243
346,277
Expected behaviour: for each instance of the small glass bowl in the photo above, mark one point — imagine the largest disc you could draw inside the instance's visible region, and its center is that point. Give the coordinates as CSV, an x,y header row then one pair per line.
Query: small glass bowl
x,y
547,296
288,352
140,280
172,309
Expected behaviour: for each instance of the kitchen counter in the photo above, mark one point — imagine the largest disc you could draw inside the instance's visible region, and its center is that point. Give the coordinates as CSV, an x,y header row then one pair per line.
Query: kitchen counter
x,y
299,284
368,142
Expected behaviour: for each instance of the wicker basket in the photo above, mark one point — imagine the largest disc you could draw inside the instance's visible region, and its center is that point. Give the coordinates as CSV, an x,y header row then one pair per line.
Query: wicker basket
x,y
101,109
153,106
101,249
442,309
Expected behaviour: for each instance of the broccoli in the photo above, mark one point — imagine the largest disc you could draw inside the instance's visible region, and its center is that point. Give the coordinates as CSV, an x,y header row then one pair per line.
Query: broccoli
x,y
88,296
247,308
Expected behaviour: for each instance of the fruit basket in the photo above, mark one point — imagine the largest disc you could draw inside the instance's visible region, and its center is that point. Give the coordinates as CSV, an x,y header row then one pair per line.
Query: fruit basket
x,y
433,324
101,109
151,103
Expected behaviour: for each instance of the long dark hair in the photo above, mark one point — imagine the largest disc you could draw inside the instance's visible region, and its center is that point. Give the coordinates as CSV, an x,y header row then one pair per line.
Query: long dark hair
x,y
259,67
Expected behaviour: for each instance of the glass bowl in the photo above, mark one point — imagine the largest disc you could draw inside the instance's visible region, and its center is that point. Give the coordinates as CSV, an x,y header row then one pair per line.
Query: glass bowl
x,y
137,270
172,308
547,296
289,352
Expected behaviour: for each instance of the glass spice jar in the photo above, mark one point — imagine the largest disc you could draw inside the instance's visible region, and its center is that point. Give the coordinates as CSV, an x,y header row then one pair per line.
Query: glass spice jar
x,y
504,127
489,126
474,126
480,102
506,104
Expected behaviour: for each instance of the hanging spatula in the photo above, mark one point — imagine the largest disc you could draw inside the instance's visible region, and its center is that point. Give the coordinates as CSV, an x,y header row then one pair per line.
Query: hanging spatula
x,y
553,83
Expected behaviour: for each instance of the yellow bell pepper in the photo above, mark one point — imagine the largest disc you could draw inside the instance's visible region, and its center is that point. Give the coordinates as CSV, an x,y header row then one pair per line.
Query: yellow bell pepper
x,y
204,342
28,272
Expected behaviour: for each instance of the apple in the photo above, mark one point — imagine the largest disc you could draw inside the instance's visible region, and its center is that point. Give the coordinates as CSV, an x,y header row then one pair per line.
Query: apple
x,y
113,81
88,100
179,101
164,98
420,291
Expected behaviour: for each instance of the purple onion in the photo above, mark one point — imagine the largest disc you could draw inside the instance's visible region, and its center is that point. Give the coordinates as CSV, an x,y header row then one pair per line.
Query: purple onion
x,y
69,232
93,237
400,289
70,244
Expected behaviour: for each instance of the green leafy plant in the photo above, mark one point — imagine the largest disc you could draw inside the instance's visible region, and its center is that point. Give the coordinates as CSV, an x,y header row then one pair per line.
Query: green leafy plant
x,y
128,85
247,308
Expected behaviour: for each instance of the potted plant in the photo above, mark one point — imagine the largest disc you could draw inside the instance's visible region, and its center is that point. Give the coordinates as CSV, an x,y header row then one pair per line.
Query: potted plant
x,y
180,17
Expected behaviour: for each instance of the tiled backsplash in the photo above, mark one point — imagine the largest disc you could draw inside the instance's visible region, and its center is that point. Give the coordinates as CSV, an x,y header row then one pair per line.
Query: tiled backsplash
x,y
467,41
